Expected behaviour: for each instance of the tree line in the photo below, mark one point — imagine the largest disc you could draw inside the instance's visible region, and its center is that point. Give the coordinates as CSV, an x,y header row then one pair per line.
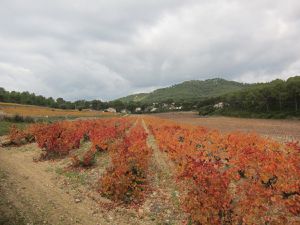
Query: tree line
x,y
39,100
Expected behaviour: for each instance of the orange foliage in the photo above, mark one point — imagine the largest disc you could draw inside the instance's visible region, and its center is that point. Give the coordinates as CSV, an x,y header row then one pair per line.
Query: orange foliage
x,y
62,137
126,180
236,178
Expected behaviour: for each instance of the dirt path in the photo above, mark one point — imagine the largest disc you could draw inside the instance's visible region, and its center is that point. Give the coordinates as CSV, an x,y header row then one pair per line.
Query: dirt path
x,y
163,203
41,193
33,192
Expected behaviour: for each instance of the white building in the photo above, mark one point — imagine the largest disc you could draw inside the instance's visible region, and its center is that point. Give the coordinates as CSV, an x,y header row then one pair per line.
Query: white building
x,y
125,111
219,105
138,109
153,109
112,110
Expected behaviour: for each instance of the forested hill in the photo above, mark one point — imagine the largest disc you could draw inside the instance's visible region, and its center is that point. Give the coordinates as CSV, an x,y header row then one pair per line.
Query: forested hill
x,y
188,91
276,99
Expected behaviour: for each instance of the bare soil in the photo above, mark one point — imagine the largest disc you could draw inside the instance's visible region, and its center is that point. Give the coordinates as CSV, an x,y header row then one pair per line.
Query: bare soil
x,y
163,203
282,130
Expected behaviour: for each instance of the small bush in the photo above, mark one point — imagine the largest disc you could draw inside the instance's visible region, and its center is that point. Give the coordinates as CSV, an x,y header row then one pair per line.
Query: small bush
x,y
58,138
206,110
125,184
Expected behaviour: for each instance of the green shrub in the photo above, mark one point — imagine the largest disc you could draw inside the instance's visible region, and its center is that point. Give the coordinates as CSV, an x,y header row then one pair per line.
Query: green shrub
x,y
206,110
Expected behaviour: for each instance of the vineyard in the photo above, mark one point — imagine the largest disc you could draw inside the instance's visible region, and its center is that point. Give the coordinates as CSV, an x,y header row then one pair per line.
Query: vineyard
x,y
173,174
39,111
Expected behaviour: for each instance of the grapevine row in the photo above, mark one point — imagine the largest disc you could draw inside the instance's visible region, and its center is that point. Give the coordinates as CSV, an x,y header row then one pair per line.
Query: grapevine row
x,y
236,178
126,180
60,138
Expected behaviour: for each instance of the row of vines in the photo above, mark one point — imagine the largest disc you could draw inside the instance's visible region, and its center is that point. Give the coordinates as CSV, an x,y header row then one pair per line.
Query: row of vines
x,y
125,181
234,178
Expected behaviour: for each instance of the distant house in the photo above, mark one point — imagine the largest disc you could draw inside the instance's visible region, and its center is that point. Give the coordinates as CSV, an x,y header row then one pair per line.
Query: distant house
x,y
125,111
112,110
138,109
219,105
154,109
172,107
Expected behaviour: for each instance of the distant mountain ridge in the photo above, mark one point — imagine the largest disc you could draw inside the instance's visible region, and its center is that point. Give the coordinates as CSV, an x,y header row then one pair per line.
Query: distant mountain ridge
x,y
188,91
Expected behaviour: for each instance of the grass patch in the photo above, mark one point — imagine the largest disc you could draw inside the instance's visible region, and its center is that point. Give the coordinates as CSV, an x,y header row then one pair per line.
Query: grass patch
x,y
73,176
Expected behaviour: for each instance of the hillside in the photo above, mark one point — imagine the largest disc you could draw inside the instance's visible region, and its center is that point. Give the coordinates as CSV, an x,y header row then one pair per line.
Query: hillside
x,y
134,98
188,90
275,99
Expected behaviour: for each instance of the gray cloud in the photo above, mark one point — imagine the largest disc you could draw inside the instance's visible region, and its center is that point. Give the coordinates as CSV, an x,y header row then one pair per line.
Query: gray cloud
x,y
107,49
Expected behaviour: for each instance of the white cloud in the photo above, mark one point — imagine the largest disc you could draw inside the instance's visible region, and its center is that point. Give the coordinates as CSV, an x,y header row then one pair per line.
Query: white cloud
x,y
107,49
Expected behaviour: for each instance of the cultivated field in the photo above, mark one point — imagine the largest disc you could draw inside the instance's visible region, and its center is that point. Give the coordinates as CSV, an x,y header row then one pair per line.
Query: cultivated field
x,y
145,170
282,130
37,111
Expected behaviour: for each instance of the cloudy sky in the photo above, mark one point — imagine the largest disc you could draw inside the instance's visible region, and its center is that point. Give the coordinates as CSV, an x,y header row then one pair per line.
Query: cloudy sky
x,y
100,49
